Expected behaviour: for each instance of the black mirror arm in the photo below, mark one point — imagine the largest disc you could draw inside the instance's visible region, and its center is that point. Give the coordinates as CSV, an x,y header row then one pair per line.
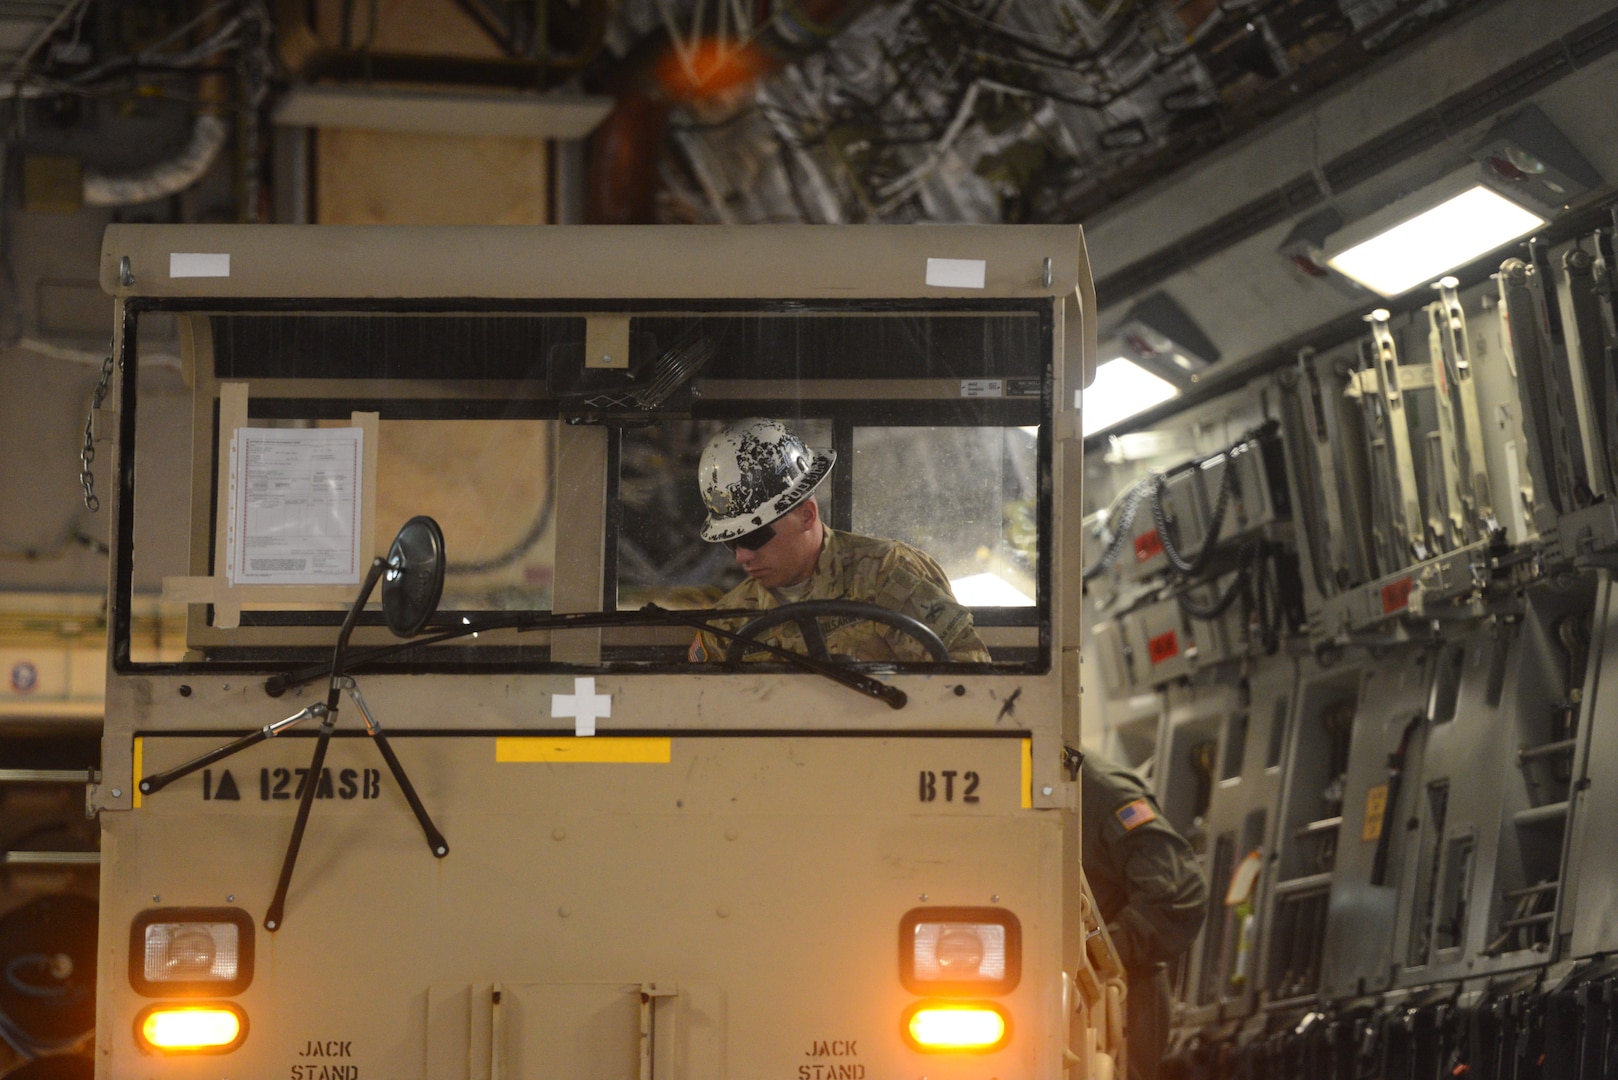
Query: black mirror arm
x,y
378,565
274,917
435,839
159,781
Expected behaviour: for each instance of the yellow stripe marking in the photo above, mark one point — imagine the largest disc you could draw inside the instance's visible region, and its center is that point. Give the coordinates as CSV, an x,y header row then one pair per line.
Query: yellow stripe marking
x,y
140,746
596,749
1028,774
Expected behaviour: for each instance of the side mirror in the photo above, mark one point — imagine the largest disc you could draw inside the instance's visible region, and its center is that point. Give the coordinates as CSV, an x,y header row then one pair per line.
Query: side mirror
x,y
414,578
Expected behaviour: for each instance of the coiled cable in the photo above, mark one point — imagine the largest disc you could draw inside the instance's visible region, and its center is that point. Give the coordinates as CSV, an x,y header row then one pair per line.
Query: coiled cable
x,y
1127,506
1236,589
1165,531
1256,588
1228,486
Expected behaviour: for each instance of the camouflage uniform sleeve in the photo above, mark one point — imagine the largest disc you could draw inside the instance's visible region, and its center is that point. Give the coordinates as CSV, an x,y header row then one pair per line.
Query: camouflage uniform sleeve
x,y
914,584
710,648
704,649
1167,898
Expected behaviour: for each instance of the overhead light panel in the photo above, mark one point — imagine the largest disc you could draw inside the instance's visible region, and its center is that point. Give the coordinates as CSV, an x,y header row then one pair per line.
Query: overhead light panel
x,y
1525,173
1161,336
1122,388
1404,247
1526,158
1303,251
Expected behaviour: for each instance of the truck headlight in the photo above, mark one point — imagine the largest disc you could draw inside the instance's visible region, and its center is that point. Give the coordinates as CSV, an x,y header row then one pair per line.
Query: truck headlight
x,y
961,950
183,951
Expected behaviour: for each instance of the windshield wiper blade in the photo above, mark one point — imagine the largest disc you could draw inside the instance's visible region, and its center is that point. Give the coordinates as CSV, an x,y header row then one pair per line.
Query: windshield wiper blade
x,y
854,680
281,682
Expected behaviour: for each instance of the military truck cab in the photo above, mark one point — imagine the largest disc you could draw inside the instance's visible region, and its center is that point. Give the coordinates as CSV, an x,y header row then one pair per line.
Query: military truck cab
x,y
440,789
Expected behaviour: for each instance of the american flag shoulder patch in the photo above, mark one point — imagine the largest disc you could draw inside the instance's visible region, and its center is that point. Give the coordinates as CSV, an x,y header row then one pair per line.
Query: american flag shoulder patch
x,y
1132,815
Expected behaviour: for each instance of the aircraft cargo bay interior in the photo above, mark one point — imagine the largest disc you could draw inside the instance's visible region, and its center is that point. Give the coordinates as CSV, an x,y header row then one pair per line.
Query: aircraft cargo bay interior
x,y
836,540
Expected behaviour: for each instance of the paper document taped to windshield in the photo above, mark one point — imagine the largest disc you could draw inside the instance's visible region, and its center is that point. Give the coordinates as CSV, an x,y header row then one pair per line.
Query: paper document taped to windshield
x,y
295,506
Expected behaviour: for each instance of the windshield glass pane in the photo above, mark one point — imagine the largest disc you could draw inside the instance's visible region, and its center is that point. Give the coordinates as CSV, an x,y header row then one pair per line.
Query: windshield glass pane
x,y
966,495
566,481
488,485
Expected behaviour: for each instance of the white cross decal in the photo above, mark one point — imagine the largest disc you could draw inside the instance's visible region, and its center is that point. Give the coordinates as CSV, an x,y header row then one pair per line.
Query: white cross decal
x,y
584,705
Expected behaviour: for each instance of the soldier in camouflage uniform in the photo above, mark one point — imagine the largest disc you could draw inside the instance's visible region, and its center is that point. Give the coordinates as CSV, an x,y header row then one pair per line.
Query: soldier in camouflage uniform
x,y
1151,894
758,482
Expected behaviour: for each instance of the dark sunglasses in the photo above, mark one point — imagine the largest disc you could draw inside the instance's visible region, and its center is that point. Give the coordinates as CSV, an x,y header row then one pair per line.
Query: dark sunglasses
x,y
754,540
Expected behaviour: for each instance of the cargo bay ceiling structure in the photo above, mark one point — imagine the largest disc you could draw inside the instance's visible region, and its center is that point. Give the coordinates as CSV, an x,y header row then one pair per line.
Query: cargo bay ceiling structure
x,y
1208,146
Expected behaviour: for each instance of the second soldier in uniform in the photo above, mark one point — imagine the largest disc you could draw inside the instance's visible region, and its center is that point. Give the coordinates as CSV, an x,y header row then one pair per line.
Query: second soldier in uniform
x,y
1149,887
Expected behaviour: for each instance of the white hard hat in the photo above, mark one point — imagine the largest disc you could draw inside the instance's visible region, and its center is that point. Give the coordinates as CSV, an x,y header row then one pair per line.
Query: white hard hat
x,y
752,473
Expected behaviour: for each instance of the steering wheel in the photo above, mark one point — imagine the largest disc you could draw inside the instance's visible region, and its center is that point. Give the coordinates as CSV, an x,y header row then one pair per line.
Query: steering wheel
x,y
808,613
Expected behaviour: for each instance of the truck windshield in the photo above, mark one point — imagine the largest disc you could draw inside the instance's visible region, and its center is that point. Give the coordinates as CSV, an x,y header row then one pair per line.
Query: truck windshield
x,y
558,451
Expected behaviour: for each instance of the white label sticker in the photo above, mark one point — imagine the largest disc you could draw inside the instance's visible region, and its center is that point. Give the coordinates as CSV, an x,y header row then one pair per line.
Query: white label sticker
x,y
198,264
983,388
957,273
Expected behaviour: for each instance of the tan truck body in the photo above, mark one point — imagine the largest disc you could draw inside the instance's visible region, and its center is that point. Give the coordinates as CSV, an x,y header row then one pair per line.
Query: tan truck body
x,y
710,886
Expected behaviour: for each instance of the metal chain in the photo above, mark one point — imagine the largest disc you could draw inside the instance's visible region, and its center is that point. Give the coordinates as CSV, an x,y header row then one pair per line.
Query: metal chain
x,y
88,454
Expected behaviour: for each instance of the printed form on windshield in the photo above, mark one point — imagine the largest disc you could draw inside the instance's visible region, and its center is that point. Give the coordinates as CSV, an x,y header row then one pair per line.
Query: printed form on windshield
x,y
295,506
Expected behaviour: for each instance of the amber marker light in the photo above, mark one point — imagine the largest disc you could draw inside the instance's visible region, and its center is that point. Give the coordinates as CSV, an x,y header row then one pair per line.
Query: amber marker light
x,y
710,68
192,1028
956,1027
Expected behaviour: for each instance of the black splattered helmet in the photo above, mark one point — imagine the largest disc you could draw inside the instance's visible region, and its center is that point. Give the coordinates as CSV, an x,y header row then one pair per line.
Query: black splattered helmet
x,y
753,472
